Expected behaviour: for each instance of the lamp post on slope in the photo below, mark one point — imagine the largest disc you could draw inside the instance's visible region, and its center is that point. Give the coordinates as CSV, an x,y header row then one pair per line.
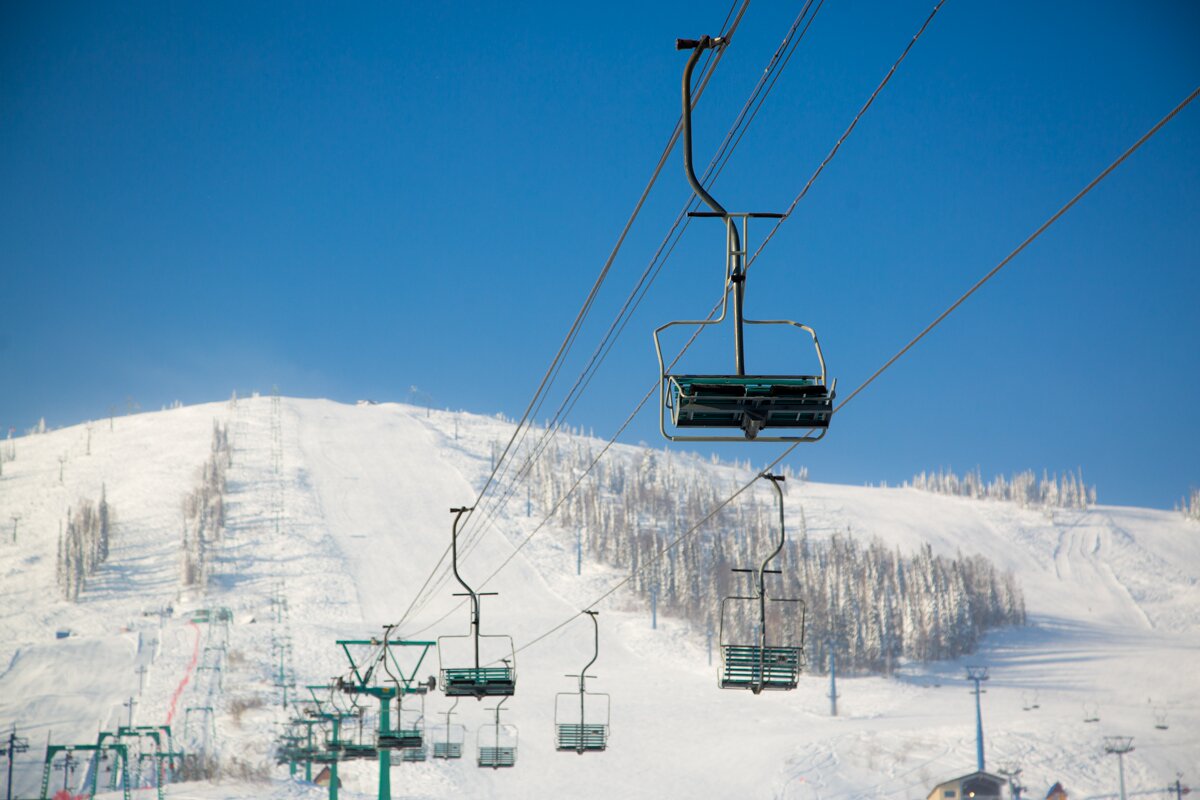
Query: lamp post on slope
x,y
978,675
16,744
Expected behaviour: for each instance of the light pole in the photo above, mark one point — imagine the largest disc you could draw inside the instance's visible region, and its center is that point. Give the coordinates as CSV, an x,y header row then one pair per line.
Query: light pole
x,y
832,678
1120,745
16,744
978,675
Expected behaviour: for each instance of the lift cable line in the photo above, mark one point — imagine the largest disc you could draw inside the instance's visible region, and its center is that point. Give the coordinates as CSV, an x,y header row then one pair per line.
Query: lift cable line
x,y
1082,193
654,388
733,137
556,362
787,451
837,146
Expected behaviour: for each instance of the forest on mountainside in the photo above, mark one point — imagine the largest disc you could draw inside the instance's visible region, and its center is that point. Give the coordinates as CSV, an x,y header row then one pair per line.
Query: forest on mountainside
x,y
204,512
872,604
1022,488
1190,506
83,545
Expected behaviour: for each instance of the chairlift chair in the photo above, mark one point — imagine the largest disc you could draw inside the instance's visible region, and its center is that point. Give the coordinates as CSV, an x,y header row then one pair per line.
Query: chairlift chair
x,y
497,743
476,681
409,733
581,718
448,738
751,403
419,753
759,661
362,748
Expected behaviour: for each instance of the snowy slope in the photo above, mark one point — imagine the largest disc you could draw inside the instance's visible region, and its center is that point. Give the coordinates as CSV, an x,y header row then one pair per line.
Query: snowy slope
x,y
345,511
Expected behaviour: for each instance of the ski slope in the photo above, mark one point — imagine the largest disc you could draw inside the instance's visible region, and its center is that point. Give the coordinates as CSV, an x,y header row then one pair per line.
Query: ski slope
x,y
343,511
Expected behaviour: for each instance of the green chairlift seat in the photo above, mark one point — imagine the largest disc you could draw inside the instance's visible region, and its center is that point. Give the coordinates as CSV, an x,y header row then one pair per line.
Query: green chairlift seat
x,y
750,666
478,681
414,754
400,739
447,749
579,738
497,757
357,751
749,402
409,731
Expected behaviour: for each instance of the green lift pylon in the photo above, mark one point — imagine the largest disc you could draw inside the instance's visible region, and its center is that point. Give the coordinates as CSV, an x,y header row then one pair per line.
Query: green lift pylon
x,y
306,752
362,681
331,755
119,751
156,734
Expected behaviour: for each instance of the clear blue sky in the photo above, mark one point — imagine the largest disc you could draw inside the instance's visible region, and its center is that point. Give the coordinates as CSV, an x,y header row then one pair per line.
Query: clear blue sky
x,y
348,201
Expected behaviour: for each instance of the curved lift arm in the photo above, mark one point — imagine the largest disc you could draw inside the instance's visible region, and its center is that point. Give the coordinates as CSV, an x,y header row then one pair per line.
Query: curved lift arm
x,y
775,481
595,652
458,515
736,272
583,675
387,631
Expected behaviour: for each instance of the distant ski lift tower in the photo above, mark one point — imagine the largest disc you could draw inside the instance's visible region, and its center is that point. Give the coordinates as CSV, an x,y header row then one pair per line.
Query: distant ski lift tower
x,y
1120,745
15,744
978,675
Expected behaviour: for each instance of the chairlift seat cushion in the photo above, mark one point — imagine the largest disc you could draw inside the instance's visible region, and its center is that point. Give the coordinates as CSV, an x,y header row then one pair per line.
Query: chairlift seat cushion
x,y
770,401
479,682
400,739
352,752
497,756
577,737
447,750
751,666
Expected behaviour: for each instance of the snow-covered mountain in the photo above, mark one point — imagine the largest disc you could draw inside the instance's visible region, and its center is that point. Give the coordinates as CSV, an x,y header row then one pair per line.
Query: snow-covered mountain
x,y
335,515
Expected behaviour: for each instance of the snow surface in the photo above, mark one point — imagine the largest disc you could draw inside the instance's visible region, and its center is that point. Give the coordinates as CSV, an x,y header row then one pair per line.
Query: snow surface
x,y
365,491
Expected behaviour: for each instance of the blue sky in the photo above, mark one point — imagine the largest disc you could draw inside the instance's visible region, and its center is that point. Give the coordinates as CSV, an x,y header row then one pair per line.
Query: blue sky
x,y
348,202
